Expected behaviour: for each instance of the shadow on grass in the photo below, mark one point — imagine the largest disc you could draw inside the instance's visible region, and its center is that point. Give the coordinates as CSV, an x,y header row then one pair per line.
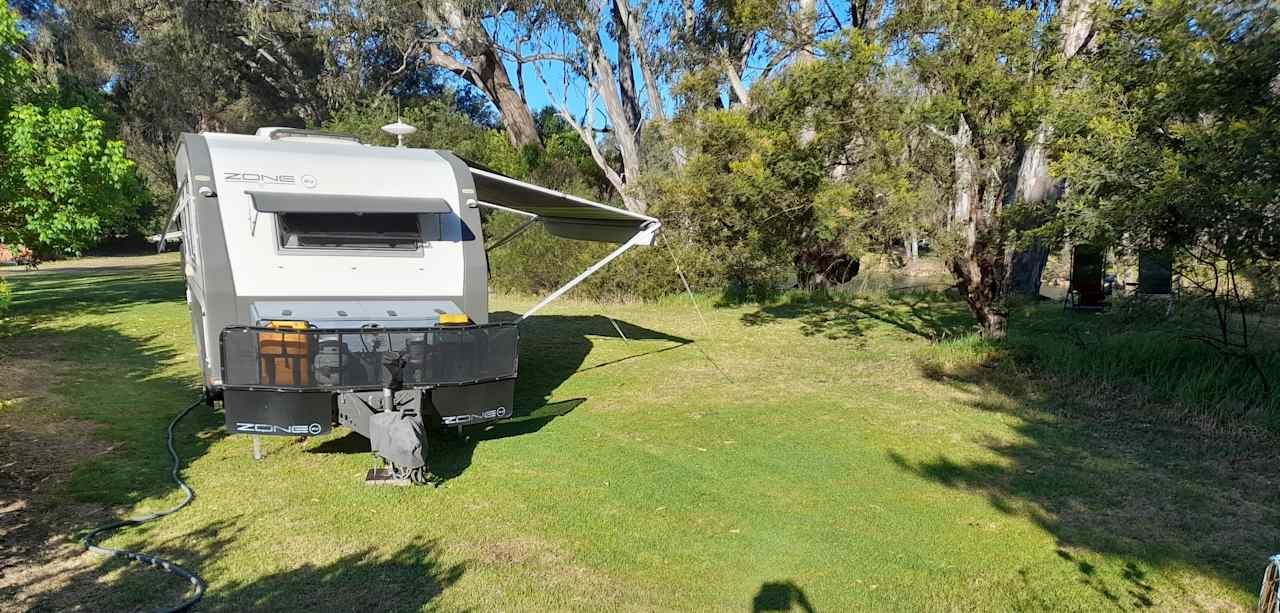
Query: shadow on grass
x,y
839,318
781,596
95,291
1114,475
101,378
84,411
405,580
450,455
366,580
552,349
94,379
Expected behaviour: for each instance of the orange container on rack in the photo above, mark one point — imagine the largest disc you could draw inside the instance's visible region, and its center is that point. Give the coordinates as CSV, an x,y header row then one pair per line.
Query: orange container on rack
x,y
285,358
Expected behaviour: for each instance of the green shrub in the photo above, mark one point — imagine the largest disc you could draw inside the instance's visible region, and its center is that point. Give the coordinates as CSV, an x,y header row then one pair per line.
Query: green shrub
x,y
538,263
1116,364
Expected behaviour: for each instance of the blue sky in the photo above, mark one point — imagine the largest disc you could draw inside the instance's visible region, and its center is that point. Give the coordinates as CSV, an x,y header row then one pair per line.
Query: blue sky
x,y
536,92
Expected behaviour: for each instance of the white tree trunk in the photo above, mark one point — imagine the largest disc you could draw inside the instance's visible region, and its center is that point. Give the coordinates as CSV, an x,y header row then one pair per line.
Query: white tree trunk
x,y
605,83
966,171
635,33
1034,185
807,18
979,265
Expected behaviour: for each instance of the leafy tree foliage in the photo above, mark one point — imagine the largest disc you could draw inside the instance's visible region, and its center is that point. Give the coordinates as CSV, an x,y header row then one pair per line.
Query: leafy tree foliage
x,y
63,182
14,73
979,62
769,205
1173,144
169,68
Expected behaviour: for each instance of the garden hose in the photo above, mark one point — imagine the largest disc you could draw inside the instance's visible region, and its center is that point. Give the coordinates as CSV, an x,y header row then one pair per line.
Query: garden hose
x,y
167,565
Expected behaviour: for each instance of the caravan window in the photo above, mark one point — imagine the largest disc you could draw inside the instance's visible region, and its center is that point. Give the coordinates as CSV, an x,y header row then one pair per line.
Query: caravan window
x,y
399,231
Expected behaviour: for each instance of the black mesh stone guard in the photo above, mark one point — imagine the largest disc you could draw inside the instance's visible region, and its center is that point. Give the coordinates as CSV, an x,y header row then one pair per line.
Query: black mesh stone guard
x,y
257,358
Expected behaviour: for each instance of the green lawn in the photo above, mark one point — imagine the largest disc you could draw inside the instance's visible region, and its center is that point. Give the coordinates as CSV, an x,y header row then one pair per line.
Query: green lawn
x,y
829,455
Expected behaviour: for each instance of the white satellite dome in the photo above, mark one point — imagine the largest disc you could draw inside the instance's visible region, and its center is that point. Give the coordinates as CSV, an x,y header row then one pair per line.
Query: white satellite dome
x,y
400,129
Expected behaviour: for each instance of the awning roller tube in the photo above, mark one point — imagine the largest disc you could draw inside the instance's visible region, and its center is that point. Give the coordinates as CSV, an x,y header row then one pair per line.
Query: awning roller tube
x,y
291,202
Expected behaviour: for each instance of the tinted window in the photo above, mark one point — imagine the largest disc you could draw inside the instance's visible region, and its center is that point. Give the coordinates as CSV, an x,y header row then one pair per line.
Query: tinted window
x,y
350,230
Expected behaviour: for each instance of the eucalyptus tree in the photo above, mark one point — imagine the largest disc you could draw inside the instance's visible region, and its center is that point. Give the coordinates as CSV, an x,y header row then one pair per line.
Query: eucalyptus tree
x,y
168,68
1035,190
977,61
404,40
731,44
613,60
460,41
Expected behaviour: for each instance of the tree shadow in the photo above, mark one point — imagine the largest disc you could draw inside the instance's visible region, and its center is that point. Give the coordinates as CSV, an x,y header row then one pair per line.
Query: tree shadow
x,y
405,580
83,413
926,316
113,583
90,379
96,290
1114,476
552,349
366,580
781,596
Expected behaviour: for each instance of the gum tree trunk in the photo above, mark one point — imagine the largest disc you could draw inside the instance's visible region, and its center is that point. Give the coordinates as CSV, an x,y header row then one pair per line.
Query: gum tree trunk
x,y
516,118
477,60
979,265
1034,184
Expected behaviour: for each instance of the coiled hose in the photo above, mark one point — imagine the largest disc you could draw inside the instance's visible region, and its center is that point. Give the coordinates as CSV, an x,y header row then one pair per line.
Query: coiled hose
x,y
167,565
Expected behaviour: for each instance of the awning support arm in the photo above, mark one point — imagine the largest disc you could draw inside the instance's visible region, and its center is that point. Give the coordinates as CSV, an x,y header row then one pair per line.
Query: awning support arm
x,y
643,237
178,205
512,234
499,207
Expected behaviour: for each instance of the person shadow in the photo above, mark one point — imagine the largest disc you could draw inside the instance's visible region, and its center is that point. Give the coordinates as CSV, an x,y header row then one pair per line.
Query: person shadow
x,y
552,349
781,596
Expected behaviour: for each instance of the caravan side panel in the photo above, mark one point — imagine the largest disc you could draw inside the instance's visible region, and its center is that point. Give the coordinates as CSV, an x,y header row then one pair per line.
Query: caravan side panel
x,y
475,280
209,271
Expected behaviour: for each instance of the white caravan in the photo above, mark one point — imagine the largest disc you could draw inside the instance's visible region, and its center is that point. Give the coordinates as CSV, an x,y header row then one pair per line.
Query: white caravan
x,y
336,282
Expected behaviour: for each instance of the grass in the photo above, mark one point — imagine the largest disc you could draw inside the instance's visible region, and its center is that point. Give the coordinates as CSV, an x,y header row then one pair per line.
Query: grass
x,y
846,454
1145,348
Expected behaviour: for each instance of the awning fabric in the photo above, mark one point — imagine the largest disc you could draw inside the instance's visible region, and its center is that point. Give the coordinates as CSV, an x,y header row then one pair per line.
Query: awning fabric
x,y
291,202
562,214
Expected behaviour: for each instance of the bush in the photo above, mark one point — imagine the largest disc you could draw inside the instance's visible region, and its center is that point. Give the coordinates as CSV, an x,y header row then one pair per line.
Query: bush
x,y
538,263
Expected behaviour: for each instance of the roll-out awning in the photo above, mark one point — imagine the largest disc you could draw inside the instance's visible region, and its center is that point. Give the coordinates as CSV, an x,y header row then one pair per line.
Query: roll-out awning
x,y
566,216
563,215
294,202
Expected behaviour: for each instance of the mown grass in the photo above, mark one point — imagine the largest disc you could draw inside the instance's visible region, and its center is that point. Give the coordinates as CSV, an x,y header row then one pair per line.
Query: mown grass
x,y
847,454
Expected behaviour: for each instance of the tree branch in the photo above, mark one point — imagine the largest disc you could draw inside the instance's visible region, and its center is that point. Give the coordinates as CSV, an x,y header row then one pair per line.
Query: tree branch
x,y
950,138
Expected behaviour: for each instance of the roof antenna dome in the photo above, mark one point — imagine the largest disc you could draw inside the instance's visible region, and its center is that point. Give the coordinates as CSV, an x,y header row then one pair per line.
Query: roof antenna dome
x,y
400,129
